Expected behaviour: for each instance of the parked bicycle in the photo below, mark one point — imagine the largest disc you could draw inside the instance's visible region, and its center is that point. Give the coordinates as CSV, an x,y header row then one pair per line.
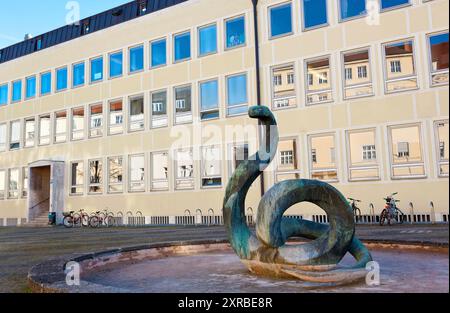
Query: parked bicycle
x,y
355,209
101,218
391,212
76,219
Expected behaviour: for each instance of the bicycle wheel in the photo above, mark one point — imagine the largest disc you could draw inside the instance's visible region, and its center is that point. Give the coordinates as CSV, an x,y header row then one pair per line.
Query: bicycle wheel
x,y
94,222
101,219
68,222
357,214
85,220
383,217
109,221
77,220
400,217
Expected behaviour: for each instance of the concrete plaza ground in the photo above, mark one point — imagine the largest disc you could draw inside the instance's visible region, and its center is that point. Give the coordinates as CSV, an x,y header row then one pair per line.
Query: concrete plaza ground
x,y
21,248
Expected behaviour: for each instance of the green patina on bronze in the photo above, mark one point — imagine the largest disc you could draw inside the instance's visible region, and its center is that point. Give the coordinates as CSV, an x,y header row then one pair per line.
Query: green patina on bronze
x,y
329,242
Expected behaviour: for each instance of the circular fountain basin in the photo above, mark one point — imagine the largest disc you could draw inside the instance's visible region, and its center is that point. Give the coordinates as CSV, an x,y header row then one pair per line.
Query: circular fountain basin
x,y
214,267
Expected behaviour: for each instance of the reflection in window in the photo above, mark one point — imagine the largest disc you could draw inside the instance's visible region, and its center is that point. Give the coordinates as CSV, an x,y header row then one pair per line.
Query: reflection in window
x,y
61,79
78,123
60,126
358,78
116,64
209,100
439,58
13,183
3,137
115,174
136,111
30,84
207,40
95,176
363,157
159,109
323,157
24,182
14,135
158,53
44,130
284,94
46,83
239,153
97,69
399,66
314,13
30,132
183,105
352,8
211,166
442,132
160,171
16,91
386,4
281,20
137,173
182,43
184,164
136,59
406,151
288,167
78,74
77,178
319,85
116,117
95,120
237,99
2,184
235,32
4,94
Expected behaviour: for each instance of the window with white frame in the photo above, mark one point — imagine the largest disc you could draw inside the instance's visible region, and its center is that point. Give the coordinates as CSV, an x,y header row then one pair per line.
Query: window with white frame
x,y
238,154
136,113
362,155
184,164
359,85
77,178
319,85
209,100
29,132
406,151
159,171
237,95
14,135
211,166
183,105
159,109
44,129
78,123
323,157
115,117
60,126
2,184
3,131
115,174
95,176
348,73
362,71
283,90
13,183
438,45
24,182
136,166
400,69
442,132
288,166
95,120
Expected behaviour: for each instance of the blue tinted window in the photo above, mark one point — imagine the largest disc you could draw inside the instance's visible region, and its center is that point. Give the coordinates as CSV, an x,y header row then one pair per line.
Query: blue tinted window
x,y
209,95
281,20
237,94
4,94
208,40
386,4
17,91
30,91
439,52
46,83
97,69
352,8
136,59
61,79
314,13
115,64
182,46
159,53
235,29
78,75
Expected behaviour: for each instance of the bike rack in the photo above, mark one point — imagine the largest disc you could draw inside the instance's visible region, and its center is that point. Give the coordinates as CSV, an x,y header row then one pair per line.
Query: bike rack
x,y
432,212
411,212
372,212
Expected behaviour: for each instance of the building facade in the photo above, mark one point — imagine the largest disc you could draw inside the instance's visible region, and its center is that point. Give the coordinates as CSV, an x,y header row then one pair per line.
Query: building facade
x,y
359,89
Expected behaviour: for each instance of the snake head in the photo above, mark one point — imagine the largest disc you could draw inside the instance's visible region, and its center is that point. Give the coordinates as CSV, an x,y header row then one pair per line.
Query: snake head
x,y
262,113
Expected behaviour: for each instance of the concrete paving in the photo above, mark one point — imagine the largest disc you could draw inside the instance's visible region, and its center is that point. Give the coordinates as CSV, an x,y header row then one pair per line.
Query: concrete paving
x,y
21,248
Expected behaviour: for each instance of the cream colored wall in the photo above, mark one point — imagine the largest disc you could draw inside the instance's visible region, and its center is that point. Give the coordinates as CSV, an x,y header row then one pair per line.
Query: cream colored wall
x,y
423,105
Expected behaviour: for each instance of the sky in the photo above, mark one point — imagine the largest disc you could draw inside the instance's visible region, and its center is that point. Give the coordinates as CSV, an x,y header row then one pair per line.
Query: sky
x,y
19,17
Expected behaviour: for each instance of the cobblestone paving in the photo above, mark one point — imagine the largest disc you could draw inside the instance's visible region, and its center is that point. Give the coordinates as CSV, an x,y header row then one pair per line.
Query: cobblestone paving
x,y
21,248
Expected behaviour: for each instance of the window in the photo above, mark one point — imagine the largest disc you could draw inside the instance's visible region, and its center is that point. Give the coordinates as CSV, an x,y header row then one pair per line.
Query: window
x,y
237,100
46,83
136,113
158,53
406,152
288,167
183,107
207,40
3,137
359,85
182,46
284,91
2,184
352,8
209,100
16,91
211,166
44,130
30,84
115,64
61,79
14,135
323,158
115,117
95,176
280,20
159,109
96,69
362,155
78,123
235,32
184,163
95,120
77,178
4,94
320,90
13,183
438,57
400,66
387,4
239,153
30,133
115,174
61,126
442,132
24,182
160,171
136,59
78,75
314,13
137,173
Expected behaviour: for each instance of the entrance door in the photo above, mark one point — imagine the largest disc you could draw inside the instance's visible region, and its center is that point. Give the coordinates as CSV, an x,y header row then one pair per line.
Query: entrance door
x,y
39,202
